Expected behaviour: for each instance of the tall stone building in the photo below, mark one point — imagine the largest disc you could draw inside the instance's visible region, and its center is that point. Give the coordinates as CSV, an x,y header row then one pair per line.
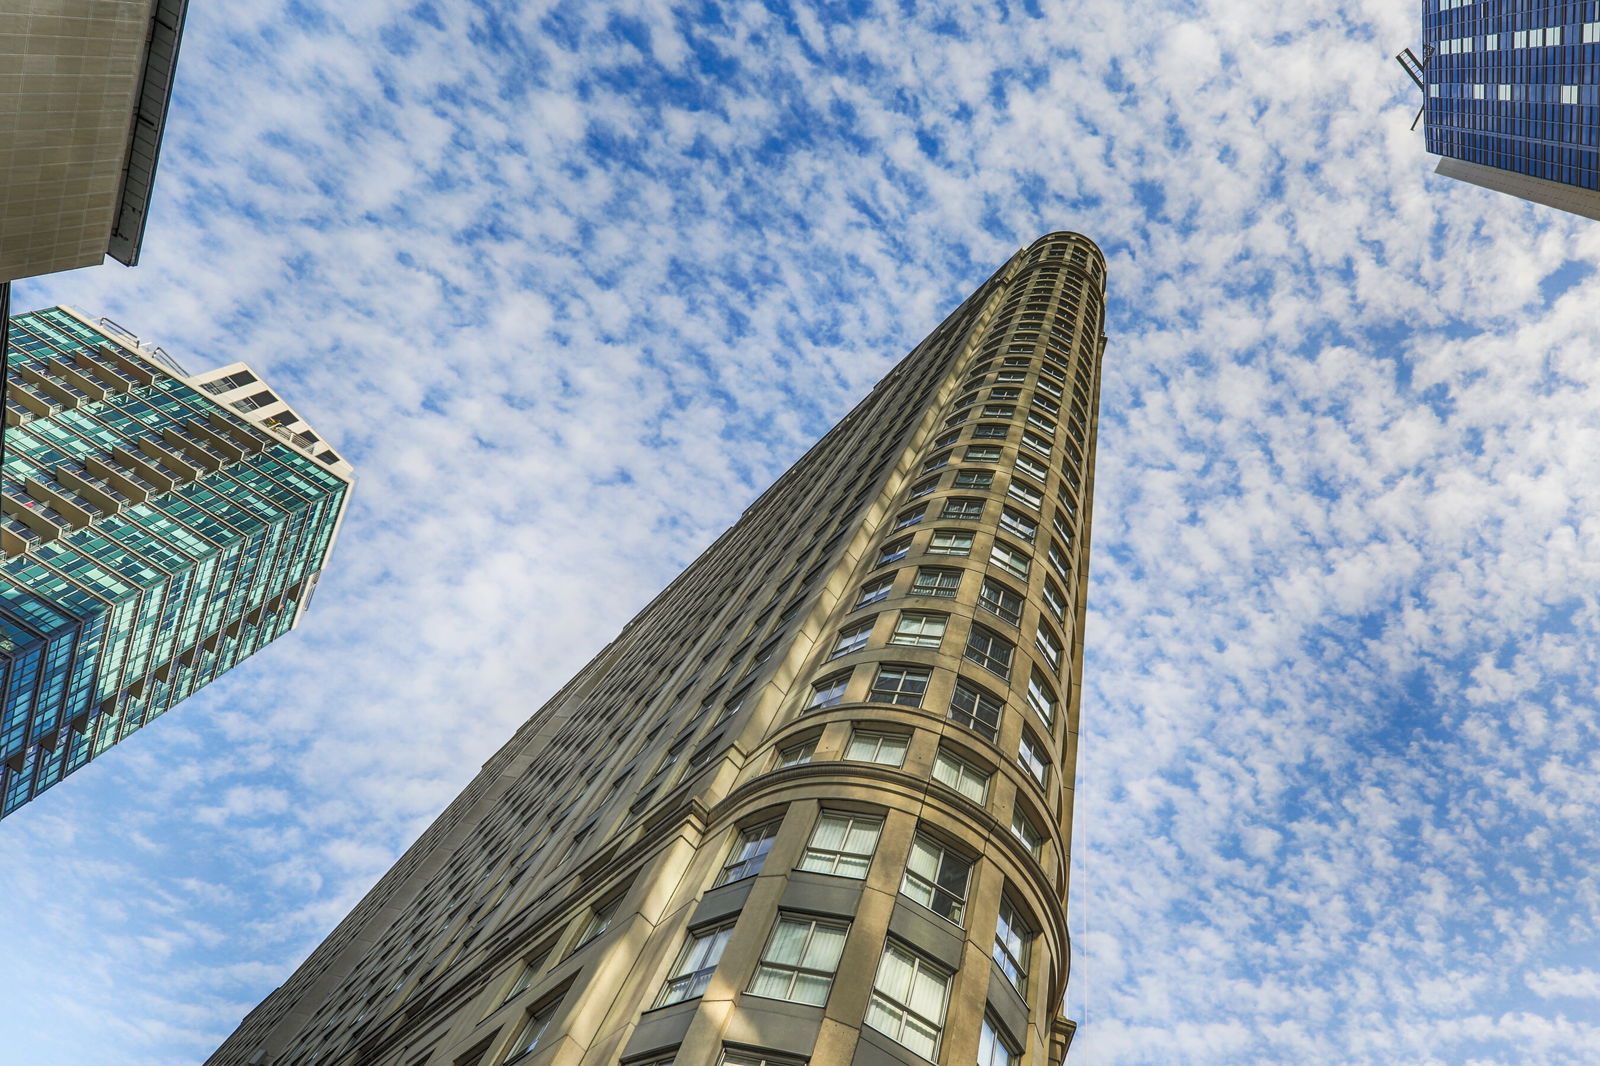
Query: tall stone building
x,y
156,528
813,804
1513,102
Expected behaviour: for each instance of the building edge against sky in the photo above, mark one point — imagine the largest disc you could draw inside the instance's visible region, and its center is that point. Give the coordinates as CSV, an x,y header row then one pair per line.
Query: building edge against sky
x,y
81,120
1512,97
156,528
814,803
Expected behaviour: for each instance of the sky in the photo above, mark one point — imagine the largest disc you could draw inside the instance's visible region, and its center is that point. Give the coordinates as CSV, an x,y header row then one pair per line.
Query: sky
x,y
572,282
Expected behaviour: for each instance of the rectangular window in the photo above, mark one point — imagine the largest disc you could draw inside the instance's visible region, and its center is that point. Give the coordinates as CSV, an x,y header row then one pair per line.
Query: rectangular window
x,y
1048,406
1018,524
531,1033
989,650
908,1000
982,453
887,749
829,691
1013,940
1569,94
1041,697
1504,92
852,639
749,852
1024,831
842,845
696,963
938,462
994,1047
525,976
1005,394
966,508
936,582
975,708
1024,493
599,921
1054,600
924,488
1037,443
1030,753
1049,644
910,518
893,551
974,479
873,591
796,754
1012,560
936,877
998,410
919,630
1058,561
950,542
961,775
800,960
904,685
999,600
1012,377
990,431
1032,468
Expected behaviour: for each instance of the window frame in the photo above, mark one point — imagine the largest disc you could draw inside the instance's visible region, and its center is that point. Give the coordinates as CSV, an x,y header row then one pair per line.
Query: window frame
x,y
799,968
968,779
835,857
887,1001
762,833
715,937
899,694
954,909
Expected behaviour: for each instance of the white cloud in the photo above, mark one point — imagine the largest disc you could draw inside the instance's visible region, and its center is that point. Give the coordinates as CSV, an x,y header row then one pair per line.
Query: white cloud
x,y
570,296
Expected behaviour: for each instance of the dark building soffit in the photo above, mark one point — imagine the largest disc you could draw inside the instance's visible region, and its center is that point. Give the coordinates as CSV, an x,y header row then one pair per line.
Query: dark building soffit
x,y
152,97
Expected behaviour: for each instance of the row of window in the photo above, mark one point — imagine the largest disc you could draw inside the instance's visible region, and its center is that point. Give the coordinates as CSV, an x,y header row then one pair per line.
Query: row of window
x,y
1546,94
802,953
909,991
887,747
993,595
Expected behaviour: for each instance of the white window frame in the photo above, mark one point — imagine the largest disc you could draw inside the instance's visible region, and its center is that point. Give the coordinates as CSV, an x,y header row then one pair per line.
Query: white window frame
x,y
890,1009
691,973
854,829
956,773
821,968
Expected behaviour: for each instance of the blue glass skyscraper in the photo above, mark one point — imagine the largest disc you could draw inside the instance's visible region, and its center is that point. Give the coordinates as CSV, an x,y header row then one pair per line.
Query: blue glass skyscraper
x,y
156,528
1513,97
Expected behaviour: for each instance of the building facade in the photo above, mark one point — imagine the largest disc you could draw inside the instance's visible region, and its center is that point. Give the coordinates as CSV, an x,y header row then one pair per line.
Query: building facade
x,y
814,804
83,104
1513,97
156,529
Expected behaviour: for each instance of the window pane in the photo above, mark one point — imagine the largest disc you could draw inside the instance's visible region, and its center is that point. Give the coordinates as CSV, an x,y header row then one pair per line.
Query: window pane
x,y
919,630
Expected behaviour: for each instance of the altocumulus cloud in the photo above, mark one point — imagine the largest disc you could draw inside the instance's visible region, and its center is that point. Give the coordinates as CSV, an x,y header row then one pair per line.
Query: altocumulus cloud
x,y
571,282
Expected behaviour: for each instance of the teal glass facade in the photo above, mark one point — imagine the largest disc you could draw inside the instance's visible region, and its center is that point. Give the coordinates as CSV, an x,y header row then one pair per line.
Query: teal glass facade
x,y
153,538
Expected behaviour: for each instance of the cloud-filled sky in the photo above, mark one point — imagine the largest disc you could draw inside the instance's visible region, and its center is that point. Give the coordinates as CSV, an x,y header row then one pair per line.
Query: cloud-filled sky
x,y
571,282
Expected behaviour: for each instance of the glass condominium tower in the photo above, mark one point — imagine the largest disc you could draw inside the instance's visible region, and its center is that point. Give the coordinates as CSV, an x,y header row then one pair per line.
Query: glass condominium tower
x,y
156,528
1513,97
814,803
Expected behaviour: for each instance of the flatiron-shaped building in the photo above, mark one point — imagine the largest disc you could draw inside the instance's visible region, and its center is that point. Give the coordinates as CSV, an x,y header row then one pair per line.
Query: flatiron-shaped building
x,y
813,805
155,529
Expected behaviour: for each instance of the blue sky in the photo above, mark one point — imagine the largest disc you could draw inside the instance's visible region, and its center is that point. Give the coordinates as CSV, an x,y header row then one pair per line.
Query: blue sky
x,y
572,282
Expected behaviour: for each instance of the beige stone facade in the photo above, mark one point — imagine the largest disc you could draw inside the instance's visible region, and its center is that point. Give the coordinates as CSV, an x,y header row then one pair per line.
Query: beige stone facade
x,y
814,804
84,86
